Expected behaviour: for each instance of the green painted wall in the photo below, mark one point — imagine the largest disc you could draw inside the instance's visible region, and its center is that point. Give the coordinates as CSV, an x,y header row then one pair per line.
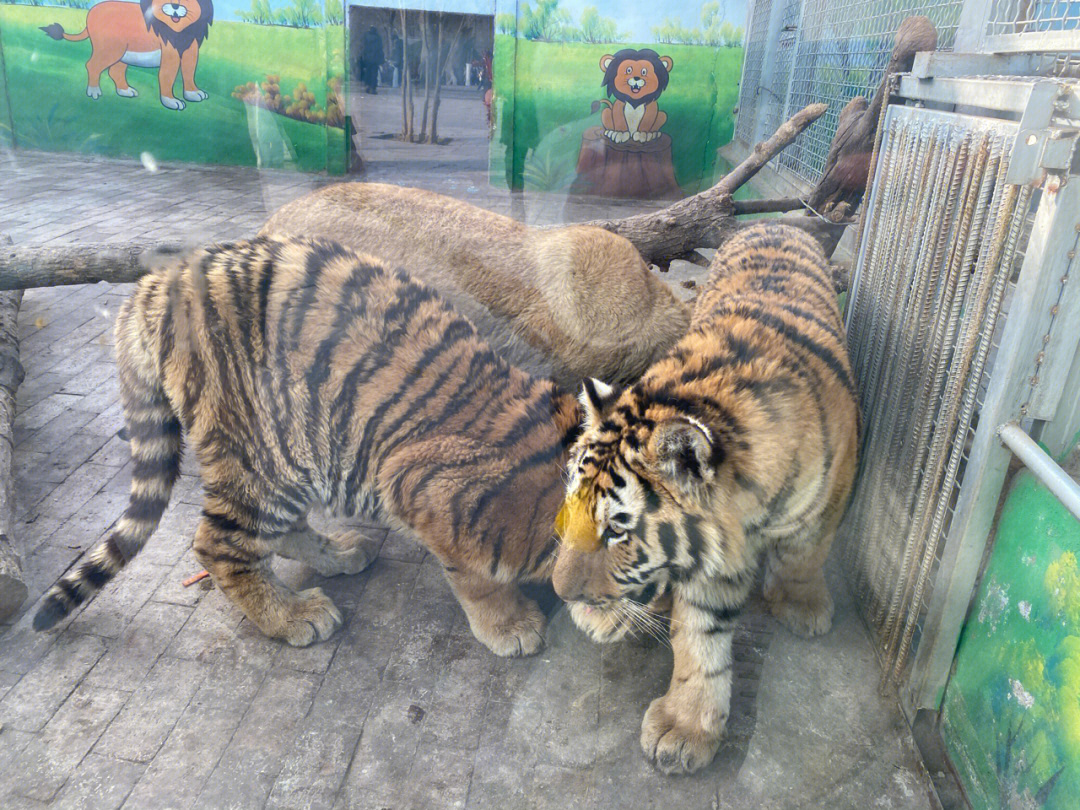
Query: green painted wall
x,y
545,86
1011,719
49,108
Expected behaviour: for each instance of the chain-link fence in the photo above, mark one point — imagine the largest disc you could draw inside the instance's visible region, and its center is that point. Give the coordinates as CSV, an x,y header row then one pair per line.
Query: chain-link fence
x,y
822,50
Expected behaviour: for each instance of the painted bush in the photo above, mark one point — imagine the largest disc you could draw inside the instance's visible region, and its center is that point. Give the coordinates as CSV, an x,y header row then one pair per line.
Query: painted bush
x,y
555,101
1012,708
54,105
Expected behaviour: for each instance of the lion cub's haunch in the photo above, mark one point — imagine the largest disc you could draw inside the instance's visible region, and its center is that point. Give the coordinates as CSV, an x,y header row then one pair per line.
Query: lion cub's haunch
x,y
741,443
301,374
570,302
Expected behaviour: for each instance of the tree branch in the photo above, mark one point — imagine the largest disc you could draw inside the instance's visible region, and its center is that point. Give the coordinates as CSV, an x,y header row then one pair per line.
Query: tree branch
x,y
708,218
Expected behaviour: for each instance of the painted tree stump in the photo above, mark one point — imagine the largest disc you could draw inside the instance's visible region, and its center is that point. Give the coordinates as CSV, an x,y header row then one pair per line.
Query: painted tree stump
x,y
629,169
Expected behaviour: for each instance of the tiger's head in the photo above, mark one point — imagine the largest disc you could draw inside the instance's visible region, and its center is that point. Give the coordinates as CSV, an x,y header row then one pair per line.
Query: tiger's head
x,y
643,509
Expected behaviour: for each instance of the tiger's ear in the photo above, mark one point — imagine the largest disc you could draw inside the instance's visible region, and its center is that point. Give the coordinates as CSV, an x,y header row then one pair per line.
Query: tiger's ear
x,y
686,452
605,61
596,397
666,62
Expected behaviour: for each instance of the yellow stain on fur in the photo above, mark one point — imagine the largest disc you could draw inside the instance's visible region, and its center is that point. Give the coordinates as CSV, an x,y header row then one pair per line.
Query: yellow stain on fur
x,y
575,523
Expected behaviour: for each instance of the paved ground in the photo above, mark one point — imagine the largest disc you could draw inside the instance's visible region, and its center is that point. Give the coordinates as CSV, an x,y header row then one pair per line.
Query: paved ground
x,y
157,696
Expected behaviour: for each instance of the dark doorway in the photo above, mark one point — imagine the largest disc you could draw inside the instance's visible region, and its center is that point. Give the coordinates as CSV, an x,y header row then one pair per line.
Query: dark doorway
x,y
419,91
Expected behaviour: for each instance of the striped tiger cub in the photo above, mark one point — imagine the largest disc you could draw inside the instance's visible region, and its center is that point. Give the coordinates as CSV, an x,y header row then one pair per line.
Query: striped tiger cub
x,y
302,373
740,443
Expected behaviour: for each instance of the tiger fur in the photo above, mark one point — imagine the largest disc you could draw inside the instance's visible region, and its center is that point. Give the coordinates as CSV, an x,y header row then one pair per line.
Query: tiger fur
x,y
302,373
569,302
740,443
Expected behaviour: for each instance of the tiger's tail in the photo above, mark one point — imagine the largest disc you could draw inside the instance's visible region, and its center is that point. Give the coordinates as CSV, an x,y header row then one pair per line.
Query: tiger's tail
x,y
600,102
56,31
156,447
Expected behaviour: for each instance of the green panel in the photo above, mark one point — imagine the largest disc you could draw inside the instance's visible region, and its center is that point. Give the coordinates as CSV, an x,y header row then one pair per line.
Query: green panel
x,y
556,83
1012,709
50,110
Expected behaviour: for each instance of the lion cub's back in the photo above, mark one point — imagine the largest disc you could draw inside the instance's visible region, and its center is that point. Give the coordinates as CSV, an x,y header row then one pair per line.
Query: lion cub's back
x,y
570,301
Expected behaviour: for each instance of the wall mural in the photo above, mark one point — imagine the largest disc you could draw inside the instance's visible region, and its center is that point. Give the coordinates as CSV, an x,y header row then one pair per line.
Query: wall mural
x,y
1012,709
177,80
595,97
148,34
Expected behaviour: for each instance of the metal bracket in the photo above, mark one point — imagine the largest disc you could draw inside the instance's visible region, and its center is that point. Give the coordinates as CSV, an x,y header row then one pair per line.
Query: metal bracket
x,y
1041,147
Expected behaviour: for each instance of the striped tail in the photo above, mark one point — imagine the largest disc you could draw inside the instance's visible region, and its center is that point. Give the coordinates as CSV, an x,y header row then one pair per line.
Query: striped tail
x,y
156,448
56,31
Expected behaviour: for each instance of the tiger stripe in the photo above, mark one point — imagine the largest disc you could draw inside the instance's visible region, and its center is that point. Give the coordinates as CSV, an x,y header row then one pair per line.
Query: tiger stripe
x,y
739,444
302,373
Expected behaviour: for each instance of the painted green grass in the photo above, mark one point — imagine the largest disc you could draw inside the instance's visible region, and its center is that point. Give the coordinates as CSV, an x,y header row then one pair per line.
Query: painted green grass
x,y
556,83
1012,707
50,109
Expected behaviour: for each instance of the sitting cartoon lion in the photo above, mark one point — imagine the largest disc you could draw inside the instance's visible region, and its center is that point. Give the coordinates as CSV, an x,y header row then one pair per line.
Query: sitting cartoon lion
x,y
635,79
165,34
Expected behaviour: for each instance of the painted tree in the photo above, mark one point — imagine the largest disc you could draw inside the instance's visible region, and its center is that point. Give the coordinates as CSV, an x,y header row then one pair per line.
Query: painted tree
x,y
547,23
506,23
335,12
596,29
715,32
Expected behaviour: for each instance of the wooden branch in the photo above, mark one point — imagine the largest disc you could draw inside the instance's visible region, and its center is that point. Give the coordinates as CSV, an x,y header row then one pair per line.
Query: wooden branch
x,y
12,585
26,267
764,152
767,206
708,218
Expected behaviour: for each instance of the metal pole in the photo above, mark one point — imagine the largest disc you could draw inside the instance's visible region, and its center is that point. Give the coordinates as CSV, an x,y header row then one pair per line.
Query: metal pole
x,y
1044,468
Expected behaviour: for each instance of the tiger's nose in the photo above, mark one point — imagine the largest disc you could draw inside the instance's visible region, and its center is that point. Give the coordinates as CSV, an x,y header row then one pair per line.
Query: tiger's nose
x,y
568,577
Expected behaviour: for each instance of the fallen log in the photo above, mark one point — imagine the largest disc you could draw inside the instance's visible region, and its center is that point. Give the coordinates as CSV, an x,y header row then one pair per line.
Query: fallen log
x,y
704,220
84,263
12,585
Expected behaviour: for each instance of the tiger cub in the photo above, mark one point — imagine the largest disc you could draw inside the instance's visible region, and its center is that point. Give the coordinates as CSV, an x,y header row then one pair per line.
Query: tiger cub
x,y
740,443
302,373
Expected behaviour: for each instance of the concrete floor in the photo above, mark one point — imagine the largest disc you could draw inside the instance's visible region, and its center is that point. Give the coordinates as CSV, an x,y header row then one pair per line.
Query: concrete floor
x,y
158,696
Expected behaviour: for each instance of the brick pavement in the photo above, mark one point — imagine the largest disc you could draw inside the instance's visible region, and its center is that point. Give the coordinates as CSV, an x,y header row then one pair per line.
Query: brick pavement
x,y
157,696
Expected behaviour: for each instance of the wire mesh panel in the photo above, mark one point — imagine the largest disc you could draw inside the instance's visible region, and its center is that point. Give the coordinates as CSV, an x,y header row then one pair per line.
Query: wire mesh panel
x,y
1035,23
756,36
1023,16
779,72
928,295
843,48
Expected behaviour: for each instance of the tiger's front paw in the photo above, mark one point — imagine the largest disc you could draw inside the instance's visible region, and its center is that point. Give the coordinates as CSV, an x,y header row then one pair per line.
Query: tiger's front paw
x,y
641,137
127,92
196,95
674,744
172,103
305,618
93,92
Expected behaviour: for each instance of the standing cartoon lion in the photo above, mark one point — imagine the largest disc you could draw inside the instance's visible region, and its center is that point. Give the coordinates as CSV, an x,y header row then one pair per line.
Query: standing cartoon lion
x,y
165,34
635,79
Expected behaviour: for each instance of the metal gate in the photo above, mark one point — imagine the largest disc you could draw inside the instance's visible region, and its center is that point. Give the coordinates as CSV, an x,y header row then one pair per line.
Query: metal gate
x,y
961,319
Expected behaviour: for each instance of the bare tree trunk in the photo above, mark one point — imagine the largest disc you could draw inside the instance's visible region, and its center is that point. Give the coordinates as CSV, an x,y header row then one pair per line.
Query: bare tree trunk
x,y
12,585
433,137
425,58
406,82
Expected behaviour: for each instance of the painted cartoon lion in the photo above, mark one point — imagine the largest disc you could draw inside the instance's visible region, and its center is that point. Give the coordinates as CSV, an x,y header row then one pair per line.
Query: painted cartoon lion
x,y
635,79
165,34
